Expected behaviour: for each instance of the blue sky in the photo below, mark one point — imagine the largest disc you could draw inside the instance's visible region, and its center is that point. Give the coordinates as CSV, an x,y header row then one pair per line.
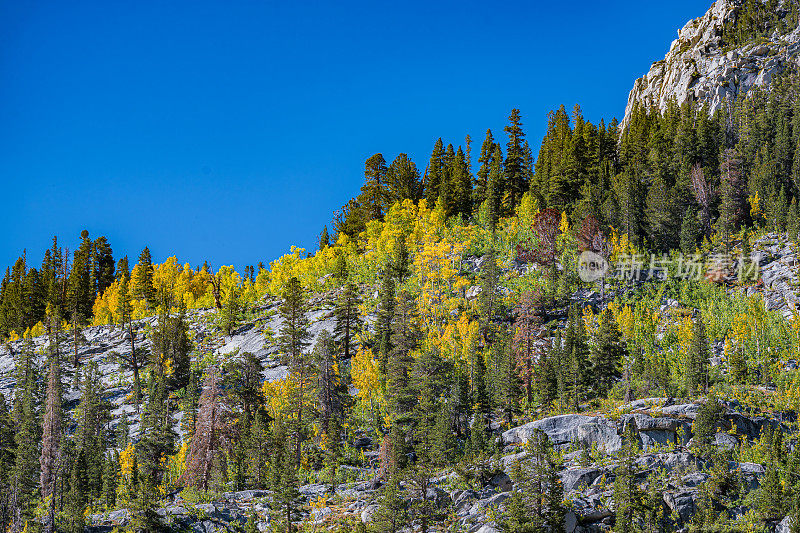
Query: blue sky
x,y
229,131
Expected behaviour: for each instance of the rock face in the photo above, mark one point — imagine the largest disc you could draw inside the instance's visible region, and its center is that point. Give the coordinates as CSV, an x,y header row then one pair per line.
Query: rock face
x,y
699,67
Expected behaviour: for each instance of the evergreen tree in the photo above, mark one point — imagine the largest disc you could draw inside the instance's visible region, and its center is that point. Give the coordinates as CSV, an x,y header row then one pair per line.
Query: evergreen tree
x,y
324,239
627,495
25,473
698,358
383,325
435,174
293,341
690,229
706,423
331,392
348,320
103,265
403,181
286,497
7,461
607,354
401,394
373,195
142,278
485,160
516,171
576,353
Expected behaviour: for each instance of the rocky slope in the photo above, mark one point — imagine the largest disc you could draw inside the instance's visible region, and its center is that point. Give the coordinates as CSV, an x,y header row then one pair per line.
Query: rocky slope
x,y
699,67
664,427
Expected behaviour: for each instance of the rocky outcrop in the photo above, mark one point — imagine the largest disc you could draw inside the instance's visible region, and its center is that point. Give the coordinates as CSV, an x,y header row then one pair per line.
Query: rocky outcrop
x,y
700,67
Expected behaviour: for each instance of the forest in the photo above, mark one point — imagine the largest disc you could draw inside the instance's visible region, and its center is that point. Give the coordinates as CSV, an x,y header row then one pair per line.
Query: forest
x,y
457,314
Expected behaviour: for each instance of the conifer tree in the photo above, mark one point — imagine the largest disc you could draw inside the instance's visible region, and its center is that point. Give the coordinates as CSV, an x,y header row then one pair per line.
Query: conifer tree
x,y
698,358
142,278
607,354
435,174
383,325
576,353
707,422
546,375
50,460
516,172
627,495
103,265
331,392
537,498
324,239
293,341
528,331
391,515
732,209
132,360
373,195
403,181
485,160
7,448
402,396
348,320
25,473
77,498
494,188
286,496
690,229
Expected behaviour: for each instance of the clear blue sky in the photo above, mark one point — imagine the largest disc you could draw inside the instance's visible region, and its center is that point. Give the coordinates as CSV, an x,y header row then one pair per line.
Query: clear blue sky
x,y
231,130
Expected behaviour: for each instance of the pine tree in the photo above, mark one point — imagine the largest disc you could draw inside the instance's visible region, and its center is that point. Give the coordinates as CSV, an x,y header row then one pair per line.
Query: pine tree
x,y
7,449
627,495
401,394
403,181
707,422
537,498
506,378
171,347
576,353
348,320
462,184
383,325
77,498
698,358
546,375
103,265
260,449
331,392
50,458
25,473
293,341
607,354
110,480
485,160
142,278
690,229
373,195
435,174
516,172
243,382
494,188
324,239
528,332
286,497
732,209
133,359
391,515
